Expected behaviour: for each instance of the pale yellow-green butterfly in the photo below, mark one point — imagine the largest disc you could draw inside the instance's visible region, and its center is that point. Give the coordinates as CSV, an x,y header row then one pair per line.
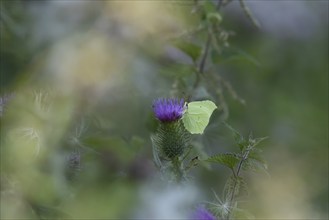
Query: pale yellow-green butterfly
x,y
197,115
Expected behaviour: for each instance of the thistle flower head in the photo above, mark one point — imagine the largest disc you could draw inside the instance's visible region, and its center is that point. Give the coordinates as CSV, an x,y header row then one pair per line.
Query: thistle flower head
x,y
168,110
202,213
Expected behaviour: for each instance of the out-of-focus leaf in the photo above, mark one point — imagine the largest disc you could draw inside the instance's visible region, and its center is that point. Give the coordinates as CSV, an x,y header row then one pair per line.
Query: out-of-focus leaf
x,y
256,141
190,49
137,143
255,154
255,165
236,186
214,17
238,138
178,70
155,152
115,145
209,6
229,160
47,212
228,54
198,150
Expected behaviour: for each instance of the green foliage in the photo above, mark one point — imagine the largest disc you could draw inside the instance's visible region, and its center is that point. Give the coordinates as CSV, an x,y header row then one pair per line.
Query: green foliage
x,y
156,152
209,7
248,158
228,159
255,142
124,151
190,49
233,187
178,70
48,212
197,115
229,54
238,138
198,149
254,165
15,25
214,18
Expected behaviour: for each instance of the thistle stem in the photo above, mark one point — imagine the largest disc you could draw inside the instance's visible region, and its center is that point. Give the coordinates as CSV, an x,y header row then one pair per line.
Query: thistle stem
x,y
177,169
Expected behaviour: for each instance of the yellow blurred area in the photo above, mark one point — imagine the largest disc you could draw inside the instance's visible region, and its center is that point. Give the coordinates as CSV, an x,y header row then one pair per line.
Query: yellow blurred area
x,y
284,194
86,61
34,125
98,58
145,17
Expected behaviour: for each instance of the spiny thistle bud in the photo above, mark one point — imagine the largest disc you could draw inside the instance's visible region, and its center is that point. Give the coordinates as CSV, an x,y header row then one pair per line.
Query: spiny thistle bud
x,y
171,138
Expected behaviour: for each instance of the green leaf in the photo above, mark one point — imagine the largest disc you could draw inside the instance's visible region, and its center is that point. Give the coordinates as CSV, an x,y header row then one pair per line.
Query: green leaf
x,y
234,186
255,161
209,6
137,143
238,138
114,144
228,54
155,151
190,49
198,150
197,115
178,70
214,17
48,212
256,141
254,165
256,155
229,160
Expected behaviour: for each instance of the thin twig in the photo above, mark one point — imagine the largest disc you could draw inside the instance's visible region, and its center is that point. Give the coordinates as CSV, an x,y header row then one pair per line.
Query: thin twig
x,y
200,70
249,14
207,45
205,54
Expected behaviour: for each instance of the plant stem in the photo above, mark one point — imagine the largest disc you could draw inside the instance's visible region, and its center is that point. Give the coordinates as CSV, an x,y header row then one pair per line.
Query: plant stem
x,y
200,70
236,176
249,14
177,169
205,54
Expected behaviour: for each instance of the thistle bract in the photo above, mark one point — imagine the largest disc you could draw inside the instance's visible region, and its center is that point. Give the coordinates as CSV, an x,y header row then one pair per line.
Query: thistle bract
x,y
172,139
168,110
202,213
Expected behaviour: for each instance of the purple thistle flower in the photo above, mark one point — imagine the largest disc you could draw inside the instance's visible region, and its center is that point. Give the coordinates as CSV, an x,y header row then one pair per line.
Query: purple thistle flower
x,y
168,110
202,213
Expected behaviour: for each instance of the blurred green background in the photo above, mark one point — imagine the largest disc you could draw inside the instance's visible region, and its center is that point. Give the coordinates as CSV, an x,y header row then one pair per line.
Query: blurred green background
x,y
77,83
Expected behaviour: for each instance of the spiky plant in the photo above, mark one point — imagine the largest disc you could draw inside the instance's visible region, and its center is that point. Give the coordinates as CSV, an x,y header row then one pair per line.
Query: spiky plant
x,y
171,138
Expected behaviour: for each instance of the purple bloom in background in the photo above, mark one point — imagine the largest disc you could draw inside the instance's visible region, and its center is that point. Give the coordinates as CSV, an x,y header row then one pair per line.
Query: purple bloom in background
x,y
202,214
4,101
168,110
